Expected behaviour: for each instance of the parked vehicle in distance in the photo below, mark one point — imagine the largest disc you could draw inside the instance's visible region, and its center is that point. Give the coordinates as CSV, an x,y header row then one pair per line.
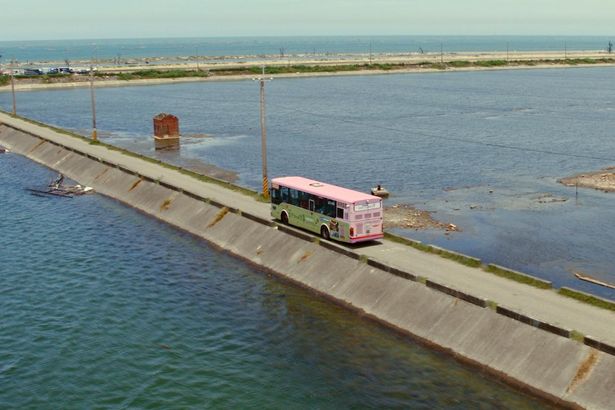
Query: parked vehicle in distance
x,y
331,211
32,71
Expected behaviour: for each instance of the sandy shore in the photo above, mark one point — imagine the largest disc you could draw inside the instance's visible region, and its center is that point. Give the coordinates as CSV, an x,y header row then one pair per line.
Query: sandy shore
x,y
603,180
408,63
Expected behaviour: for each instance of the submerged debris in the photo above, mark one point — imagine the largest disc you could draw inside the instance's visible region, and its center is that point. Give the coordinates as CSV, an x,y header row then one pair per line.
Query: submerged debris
x,y
407,216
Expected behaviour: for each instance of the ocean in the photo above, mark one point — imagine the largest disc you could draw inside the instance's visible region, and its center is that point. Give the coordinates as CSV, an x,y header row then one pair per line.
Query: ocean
x,y
125,49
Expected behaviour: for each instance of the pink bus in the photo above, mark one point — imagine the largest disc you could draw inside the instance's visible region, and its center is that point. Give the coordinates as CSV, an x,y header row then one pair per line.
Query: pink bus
x,y
331,211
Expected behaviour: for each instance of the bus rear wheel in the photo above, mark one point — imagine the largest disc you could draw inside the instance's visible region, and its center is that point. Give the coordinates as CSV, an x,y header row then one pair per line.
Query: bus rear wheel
x,y
324,232
284,218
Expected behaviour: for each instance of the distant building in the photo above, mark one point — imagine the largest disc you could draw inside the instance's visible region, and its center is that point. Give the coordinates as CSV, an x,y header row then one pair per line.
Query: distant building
x,y
166,131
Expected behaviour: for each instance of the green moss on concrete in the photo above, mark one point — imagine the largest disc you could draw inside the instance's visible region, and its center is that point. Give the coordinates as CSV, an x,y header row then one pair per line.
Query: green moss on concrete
x,y
518,276
587,298
578,336
457,257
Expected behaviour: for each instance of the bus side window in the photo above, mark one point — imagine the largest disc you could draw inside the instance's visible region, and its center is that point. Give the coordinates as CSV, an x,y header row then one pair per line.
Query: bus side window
x,y
284,191
294,197
330,208
340,213
304,199
318,204
275,196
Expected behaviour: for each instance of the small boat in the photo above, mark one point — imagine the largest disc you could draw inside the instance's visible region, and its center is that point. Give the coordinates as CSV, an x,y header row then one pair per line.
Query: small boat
x,y
380,191
50,192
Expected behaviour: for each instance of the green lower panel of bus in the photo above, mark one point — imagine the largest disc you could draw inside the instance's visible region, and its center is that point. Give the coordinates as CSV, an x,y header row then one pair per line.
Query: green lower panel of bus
x,y
312,221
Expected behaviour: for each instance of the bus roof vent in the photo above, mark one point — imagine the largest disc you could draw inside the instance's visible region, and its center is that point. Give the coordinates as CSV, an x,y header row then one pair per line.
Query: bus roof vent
x,y
316,184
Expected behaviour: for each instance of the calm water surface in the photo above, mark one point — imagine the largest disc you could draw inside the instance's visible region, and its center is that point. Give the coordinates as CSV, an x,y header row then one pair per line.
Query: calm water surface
x,y
483,150
104,307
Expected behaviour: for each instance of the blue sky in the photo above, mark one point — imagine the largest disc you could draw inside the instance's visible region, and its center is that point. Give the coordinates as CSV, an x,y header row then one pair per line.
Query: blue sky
x,y
76,19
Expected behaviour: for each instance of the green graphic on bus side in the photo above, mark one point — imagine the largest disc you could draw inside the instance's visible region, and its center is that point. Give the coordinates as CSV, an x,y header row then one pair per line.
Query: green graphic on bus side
x,y
312,221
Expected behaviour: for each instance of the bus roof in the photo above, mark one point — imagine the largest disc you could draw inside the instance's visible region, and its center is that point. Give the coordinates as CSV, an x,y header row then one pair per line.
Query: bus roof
x,y
324,190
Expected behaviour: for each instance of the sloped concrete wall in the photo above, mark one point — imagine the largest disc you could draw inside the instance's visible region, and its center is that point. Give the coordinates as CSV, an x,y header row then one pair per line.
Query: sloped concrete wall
x,y
557,368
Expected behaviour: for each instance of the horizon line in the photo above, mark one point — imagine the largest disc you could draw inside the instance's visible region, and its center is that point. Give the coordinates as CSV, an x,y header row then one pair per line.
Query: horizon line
x,y
305,36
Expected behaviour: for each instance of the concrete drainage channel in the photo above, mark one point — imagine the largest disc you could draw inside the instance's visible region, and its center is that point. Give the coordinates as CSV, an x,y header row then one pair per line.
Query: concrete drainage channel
x,y
554,363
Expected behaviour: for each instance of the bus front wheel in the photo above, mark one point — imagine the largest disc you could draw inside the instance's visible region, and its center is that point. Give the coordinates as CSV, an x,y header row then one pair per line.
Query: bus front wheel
x,y
284,218
324,232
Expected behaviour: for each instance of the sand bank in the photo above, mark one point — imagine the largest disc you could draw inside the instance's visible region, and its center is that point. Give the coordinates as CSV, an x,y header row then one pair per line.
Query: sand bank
x,y
239,68
603,180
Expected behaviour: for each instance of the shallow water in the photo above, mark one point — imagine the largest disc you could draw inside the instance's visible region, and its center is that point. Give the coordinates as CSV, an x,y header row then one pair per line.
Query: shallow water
x,y
104,307
480,149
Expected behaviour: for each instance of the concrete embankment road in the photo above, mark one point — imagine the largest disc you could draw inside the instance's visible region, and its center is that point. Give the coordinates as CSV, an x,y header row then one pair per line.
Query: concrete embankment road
x,y
525,340
544,305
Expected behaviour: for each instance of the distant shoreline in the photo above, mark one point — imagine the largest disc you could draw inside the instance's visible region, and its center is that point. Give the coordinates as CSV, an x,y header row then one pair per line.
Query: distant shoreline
x,y
167,70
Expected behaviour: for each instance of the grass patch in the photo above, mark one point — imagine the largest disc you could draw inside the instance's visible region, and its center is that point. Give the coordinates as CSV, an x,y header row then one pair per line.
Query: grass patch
x,y
437,66
153,74
518,277
5,80
490,63
460,64
492,305
587,298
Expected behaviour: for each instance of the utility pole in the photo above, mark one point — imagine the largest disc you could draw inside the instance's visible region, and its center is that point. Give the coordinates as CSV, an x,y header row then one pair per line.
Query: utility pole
x,y
262,80
507,48
94,133
13,86
370,53
197,59
565,51
442,53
